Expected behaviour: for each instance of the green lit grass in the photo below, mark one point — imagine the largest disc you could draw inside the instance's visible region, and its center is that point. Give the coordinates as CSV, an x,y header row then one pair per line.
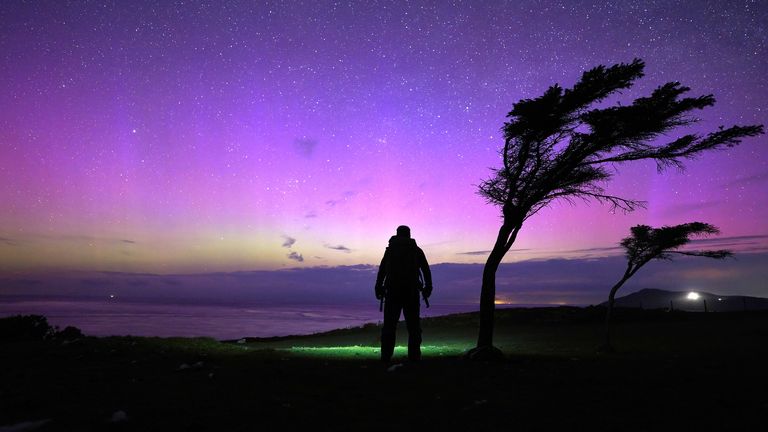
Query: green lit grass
x,y
373,352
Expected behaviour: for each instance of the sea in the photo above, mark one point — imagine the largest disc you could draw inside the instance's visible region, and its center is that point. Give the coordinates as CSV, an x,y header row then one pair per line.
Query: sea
x,y
223,322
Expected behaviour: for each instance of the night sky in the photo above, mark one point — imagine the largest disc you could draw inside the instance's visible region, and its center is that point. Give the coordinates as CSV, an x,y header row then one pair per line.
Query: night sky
x,y
191,137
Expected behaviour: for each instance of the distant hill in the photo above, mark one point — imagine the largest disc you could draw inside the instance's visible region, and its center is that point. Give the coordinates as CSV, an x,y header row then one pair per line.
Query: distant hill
x,y
693,301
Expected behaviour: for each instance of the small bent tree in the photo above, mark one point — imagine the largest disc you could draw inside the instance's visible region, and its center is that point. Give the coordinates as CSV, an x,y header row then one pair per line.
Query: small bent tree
x,y
557,146
647,243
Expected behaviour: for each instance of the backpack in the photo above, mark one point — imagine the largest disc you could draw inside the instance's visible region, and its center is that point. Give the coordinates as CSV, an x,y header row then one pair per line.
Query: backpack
x,y
403,265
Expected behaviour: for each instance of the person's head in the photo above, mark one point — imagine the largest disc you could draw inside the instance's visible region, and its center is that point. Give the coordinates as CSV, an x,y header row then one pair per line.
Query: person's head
x,y
403,231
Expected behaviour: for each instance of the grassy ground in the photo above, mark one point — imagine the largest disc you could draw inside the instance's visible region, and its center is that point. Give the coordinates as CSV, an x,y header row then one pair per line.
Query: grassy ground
x,y
672,371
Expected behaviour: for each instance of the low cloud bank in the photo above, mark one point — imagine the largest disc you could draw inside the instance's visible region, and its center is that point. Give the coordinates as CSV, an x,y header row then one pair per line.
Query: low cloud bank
x,y
575,281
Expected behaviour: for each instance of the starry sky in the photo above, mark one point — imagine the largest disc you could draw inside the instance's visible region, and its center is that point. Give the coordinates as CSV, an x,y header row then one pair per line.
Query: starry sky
x,y
185,137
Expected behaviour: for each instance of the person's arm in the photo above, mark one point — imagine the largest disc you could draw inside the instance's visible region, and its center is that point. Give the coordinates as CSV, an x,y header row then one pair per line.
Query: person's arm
x,y
424,267
379,289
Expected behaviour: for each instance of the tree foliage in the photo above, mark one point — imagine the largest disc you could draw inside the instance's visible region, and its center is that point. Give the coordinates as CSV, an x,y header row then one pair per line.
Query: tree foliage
x,y
647,243
557,146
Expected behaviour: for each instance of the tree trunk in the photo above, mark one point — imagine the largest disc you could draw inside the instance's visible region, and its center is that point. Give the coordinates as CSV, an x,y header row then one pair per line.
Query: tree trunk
x,y
488,299
611,300
485,349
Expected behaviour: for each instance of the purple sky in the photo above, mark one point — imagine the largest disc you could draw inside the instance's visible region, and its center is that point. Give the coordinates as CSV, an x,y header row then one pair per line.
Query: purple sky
x,y
158,137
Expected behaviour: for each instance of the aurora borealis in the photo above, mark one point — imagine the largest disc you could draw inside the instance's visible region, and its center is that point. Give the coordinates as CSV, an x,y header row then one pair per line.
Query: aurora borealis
x,y
190,137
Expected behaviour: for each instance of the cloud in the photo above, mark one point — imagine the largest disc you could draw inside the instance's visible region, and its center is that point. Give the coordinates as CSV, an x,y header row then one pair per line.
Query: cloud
x,y
345,196
20,282
750,243
486,252
574,281
339,248
8,241
305,146
171,282
743,244
289,241
710,273
74,238
746,238
296,256
594,250
756,178
310,215
137,282
96,282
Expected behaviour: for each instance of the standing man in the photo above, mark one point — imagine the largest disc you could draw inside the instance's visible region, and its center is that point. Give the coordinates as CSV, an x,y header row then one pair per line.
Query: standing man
x,y
399,284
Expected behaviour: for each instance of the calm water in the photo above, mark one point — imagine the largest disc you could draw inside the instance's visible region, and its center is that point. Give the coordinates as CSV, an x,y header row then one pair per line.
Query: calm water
x,y
105,318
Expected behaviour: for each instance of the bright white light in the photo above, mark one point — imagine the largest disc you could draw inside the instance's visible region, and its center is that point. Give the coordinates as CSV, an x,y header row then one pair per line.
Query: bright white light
x,y
719,299
693,296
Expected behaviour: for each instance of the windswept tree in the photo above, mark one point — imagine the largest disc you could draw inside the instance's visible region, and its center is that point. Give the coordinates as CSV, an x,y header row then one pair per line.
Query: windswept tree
x,y
647,243
559,146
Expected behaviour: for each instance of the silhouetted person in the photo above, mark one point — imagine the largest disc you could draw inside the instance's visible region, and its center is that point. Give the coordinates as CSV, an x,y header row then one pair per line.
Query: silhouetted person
x,y
399,283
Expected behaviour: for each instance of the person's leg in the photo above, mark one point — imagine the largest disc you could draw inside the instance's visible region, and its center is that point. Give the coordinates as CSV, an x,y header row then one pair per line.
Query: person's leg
x,y
411,312
392,308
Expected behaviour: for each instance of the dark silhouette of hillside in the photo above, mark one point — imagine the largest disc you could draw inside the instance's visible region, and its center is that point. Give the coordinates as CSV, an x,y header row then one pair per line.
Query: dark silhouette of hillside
x,y
678,300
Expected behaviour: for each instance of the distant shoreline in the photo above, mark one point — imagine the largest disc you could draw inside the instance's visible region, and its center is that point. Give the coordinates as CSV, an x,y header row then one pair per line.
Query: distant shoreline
x,y
98,317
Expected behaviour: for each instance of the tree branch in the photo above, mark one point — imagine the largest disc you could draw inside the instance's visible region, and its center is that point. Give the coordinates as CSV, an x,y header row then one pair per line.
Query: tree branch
x,y
716,254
